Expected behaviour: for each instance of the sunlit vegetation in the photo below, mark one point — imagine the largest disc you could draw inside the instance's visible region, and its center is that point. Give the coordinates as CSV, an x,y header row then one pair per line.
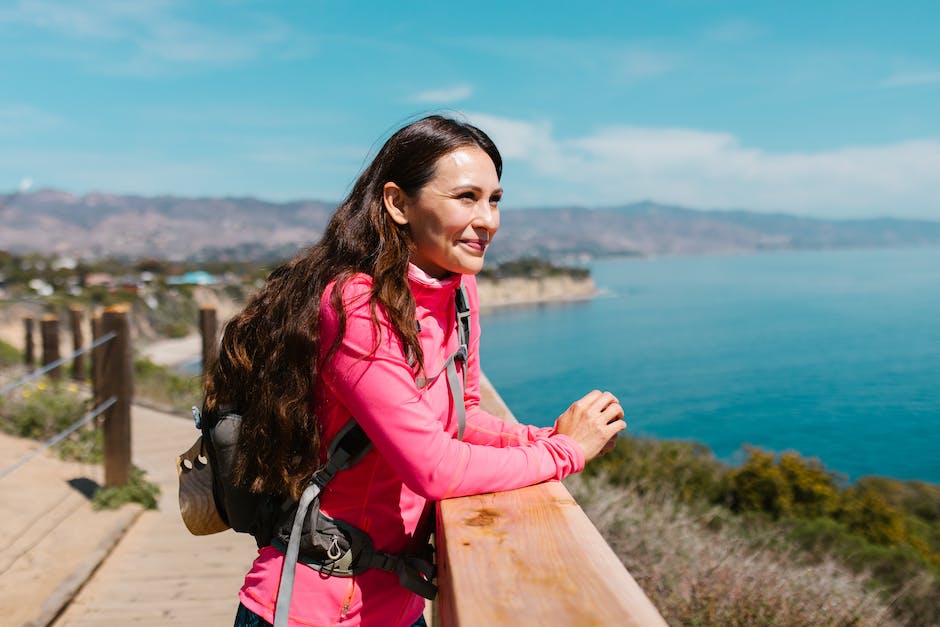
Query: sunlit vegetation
x,y
164,386
532,268
9,355
785,510
44,409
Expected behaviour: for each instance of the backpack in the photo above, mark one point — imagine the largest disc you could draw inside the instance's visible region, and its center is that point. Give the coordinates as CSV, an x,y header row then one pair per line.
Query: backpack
x,y
298,528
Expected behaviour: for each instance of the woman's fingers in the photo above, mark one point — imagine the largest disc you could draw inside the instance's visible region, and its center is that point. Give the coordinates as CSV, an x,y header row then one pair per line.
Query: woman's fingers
x,y
609,446
612,412
601,400
593,421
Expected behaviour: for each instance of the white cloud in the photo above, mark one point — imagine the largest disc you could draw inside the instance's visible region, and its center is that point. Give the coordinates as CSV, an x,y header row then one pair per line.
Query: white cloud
x,y
619,164
909,79
149,36
20,119
735,30
645,63
444,95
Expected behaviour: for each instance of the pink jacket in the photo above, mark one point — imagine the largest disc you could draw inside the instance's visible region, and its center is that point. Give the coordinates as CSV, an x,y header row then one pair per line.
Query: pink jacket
x,y
417,456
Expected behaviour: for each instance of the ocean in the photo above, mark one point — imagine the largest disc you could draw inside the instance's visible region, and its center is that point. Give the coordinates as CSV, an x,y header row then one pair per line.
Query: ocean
x,y
833,354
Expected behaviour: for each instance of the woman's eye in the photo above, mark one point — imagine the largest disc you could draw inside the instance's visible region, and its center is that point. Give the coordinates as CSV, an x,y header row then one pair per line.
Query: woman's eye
x,y
495,200
467,196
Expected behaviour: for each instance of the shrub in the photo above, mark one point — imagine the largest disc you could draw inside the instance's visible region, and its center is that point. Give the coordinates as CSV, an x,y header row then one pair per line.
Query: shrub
x,y
867,512
760,485
813,489
46,409
137,490
738,574
161,385
688,469
532,267
9,356
885,531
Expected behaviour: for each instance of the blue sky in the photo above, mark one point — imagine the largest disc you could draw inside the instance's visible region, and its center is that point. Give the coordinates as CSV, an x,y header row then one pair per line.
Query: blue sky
x,y
830,109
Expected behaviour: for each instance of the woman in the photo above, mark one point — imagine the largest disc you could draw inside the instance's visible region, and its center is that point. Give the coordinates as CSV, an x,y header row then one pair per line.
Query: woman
x,y
359,326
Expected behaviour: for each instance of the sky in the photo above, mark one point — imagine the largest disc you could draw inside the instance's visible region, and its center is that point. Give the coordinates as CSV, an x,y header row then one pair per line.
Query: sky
x,y
825,109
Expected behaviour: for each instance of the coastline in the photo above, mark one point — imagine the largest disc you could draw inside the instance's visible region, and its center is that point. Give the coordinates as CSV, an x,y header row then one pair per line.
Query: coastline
x,y
527,291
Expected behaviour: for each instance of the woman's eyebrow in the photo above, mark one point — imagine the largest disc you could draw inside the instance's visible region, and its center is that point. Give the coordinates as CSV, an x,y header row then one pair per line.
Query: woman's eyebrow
x,y
476,188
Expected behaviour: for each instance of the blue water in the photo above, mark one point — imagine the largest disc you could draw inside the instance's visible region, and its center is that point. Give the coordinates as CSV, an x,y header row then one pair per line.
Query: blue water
x,y
833,354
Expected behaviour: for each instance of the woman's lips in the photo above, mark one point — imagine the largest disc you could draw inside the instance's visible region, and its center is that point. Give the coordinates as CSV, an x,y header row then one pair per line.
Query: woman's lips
x,y
475,244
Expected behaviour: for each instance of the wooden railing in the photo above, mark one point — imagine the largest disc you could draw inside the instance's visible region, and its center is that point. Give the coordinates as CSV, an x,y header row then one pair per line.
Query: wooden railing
x,y
530,557
112,382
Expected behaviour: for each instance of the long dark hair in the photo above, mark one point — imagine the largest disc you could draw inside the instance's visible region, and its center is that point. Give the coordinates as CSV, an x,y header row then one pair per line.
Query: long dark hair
x,y
267,363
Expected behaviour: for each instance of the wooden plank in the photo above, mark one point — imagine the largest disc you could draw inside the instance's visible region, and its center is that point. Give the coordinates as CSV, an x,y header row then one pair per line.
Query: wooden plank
x,y
531,557
159,574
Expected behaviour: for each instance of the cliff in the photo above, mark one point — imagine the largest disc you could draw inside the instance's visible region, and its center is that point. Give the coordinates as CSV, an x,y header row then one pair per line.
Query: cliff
x,y
513,291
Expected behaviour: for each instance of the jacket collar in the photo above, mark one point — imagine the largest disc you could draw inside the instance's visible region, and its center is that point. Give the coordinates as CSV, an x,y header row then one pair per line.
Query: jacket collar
x,y
428,290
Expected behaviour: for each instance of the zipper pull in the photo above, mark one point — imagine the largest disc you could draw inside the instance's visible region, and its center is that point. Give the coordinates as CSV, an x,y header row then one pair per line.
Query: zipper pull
x,y
334,552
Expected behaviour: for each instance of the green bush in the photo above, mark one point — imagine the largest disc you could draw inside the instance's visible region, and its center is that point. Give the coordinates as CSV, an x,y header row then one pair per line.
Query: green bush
x,y
161,385
9,356
137,490
759,485
46,409
866,512
813,489
788,486
532,267
688,469
886,529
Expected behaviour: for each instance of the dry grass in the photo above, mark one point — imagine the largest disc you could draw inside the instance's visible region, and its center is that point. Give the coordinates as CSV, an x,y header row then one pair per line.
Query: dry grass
x,y
699,568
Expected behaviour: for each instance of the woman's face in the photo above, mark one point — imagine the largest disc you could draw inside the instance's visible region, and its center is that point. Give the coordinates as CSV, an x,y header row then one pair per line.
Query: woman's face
x,y
453,218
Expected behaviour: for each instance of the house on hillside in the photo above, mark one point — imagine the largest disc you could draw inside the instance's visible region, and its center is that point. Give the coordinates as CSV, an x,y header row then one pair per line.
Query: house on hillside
x,y
198,277
99,279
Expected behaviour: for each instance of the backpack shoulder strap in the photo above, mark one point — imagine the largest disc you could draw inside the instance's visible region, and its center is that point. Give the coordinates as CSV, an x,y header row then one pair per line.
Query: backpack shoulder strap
x,y
462,303
348,447
462,308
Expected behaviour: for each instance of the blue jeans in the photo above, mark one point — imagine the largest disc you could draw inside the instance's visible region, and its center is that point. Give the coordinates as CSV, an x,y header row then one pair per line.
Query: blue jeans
x,y
246,618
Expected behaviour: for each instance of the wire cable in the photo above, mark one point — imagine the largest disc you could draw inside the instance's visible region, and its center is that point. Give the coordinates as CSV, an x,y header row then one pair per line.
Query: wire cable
x,y
97,411
38,373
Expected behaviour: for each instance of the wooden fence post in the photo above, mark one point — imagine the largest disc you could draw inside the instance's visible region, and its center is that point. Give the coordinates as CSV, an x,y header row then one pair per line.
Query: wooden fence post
x,y
29,355
49,330
117,380
78,342
97,358
209,328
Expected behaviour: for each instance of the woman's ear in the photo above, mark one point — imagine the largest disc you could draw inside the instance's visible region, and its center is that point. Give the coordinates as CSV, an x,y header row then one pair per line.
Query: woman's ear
x,y
395,199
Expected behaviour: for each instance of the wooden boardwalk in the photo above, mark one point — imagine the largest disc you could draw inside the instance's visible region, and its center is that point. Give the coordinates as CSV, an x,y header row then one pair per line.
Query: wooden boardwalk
x,y
50,537
159,574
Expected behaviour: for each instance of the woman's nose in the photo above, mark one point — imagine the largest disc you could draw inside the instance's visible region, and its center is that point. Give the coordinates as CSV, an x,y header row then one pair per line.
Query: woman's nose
x,y
487,216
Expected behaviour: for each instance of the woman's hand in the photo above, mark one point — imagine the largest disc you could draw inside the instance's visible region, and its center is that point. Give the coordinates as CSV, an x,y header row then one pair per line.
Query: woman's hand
x,y
593,422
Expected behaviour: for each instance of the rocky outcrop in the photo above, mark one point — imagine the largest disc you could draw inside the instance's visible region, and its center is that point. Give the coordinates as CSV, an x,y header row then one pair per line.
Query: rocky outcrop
x,y
514,291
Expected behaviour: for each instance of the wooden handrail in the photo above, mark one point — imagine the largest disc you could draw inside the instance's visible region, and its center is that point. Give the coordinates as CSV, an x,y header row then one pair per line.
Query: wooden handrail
x,y
530,557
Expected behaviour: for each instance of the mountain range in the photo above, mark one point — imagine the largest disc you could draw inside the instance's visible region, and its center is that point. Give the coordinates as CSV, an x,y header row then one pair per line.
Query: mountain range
x,y
170,227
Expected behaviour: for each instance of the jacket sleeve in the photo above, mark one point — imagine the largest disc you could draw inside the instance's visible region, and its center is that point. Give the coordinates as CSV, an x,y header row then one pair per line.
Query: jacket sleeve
x,y
483,427
370,375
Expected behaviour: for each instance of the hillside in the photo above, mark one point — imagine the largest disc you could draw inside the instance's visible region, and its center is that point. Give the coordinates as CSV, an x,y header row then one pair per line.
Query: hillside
x,y
168,227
